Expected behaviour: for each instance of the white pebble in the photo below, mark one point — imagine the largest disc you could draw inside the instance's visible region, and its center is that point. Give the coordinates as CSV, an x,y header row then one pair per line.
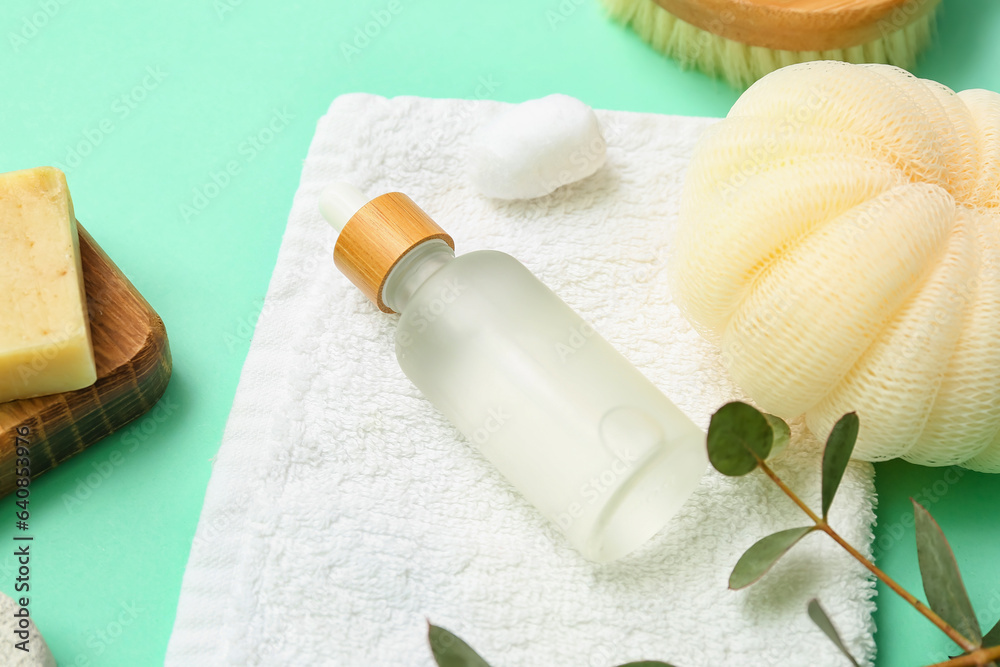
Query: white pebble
x,y
38,653
532,148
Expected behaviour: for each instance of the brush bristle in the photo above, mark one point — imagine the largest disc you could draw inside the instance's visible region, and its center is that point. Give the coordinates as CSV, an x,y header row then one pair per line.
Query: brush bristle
x,y
740,64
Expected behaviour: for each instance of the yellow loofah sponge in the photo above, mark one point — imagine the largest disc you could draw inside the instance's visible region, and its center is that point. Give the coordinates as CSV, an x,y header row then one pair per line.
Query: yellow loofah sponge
x,y
840,240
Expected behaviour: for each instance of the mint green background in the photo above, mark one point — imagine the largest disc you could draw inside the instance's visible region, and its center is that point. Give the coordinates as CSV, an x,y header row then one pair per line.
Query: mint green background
x,y
119,541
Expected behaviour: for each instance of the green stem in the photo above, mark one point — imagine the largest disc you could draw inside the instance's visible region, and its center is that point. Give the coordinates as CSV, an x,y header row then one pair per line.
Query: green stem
x,y
821,524
978,658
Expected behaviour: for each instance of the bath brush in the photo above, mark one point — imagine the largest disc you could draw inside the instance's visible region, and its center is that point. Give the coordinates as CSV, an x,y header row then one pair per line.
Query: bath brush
x,y
742,40
839,239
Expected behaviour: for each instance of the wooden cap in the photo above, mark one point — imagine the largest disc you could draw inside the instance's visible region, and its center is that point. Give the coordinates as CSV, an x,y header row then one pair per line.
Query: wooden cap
x,y
377,236
800,25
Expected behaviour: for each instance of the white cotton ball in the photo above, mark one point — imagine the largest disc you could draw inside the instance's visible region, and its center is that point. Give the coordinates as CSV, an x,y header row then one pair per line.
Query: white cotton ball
x,y
532,148
38,653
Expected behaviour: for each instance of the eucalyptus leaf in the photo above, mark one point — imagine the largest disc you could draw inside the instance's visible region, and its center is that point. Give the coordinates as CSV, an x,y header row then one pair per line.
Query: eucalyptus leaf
x,y
738,436
836,455
450,651
992,638
943,585
820,618
782,434
759,558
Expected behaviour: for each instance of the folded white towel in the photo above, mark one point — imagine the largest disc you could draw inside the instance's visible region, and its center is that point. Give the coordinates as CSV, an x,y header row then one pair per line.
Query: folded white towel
x,y
344,511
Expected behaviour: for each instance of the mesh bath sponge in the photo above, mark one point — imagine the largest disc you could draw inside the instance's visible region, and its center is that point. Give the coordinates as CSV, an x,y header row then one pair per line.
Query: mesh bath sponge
x,y
840,241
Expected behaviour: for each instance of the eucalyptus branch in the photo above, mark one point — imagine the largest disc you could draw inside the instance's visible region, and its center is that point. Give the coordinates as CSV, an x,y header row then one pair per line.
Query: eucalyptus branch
x,y
740,439
980,658
821,524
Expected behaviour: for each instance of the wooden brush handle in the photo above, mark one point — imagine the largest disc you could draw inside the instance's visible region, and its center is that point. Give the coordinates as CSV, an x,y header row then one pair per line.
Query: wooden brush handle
x,y
800,25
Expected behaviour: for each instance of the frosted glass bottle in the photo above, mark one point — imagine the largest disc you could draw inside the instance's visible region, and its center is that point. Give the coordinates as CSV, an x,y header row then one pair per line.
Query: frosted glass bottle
x,y
575,427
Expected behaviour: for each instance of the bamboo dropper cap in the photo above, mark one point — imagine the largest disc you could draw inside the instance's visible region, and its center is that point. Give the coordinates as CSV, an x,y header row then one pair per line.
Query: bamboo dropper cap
x,y
375,234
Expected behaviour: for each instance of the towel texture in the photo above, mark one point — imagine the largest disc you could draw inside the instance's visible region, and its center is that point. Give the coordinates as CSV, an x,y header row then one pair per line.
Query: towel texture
x,y
344,511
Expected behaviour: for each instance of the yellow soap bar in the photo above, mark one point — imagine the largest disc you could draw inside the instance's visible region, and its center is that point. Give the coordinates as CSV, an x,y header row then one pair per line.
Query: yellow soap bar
x,y
45,344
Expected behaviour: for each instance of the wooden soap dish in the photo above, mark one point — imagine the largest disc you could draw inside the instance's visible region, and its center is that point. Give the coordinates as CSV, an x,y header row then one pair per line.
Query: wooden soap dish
x,y
133,368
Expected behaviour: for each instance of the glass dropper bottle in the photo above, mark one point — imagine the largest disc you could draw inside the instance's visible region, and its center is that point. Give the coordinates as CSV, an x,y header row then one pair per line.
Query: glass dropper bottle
x,y
574,426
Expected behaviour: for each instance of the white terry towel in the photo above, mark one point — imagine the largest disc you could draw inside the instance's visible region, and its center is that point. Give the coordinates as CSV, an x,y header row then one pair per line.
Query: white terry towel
x,y
344,511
